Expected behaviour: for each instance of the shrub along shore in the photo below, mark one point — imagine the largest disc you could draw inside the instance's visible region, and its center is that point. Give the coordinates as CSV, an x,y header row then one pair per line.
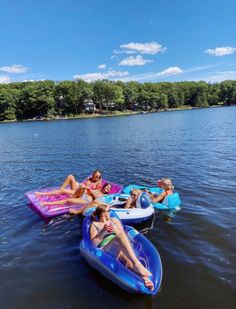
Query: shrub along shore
x,y
48,100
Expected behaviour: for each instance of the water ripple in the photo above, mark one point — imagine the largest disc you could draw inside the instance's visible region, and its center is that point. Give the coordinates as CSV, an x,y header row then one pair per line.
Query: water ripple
x,y
197,247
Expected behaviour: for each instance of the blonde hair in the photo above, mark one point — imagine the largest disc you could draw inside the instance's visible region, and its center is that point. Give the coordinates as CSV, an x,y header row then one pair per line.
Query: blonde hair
x,y
137,191
167,184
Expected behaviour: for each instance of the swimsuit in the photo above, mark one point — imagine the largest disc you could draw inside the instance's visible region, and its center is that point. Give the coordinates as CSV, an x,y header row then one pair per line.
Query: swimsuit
x,y
95,186
107,237
169,192
86,198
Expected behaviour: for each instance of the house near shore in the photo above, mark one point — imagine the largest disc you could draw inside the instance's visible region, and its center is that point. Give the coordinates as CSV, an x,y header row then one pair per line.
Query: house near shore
x,y
109,106
134,106
89,106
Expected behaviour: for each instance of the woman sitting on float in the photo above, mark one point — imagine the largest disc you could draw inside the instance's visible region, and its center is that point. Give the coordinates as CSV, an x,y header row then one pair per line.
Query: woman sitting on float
x,y
138,199
164,183
107,233
167,186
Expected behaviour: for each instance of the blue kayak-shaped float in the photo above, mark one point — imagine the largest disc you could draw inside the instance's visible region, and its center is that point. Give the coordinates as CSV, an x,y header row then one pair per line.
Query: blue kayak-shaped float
x,y
116,271
171,202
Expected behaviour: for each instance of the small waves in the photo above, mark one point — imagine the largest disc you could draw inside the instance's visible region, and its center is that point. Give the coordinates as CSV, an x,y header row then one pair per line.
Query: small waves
x,y
197,247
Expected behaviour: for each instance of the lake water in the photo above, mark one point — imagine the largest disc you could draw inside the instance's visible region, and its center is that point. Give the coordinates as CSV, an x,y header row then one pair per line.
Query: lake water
x,y
40,263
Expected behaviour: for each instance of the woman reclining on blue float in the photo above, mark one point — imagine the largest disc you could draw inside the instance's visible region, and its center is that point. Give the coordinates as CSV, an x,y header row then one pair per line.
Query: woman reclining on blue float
x,y
167,186
107,233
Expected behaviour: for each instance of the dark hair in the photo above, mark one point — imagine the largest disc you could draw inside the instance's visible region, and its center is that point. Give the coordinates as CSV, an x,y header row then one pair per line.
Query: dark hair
x,y
98,211
106,184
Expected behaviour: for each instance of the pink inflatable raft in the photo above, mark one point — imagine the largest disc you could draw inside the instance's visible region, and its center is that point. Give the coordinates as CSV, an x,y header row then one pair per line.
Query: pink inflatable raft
x,y
50,211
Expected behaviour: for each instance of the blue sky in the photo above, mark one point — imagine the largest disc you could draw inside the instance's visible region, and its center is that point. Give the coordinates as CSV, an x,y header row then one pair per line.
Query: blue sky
x,y
146,41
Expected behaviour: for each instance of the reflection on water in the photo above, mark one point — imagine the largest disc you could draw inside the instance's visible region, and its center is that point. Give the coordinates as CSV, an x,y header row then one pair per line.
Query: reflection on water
x,y
40,260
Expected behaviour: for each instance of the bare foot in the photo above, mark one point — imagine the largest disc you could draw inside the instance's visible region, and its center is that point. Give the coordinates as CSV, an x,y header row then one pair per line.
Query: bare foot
x,y
43,203
148,283
39,193
76,212
73,211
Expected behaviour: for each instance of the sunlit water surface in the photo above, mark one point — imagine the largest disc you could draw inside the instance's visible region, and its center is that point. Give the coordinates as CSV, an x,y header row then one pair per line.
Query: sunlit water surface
x,y
40,263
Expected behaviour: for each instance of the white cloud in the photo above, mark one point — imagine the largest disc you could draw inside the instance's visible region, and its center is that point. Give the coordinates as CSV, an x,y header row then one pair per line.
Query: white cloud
x,y
220,51
152,76
95,76
151,48
131,61
15,69
129,52
170,71
200,68
4,79
101,66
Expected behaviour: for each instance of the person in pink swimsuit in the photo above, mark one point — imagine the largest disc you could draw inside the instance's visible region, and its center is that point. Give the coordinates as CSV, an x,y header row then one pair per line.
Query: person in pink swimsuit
x,y
92,183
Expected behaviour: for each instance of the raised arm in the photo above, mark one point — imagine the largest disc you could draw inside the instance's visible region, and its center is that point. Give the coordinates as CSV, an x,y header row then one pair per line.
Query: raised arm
x,y
93,232
128,203
158,198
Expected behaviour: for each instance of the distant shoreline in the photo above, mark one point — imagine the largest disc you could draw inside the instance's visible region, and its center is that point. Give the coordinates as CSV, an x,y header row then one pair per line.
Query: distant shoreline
x,y
110,114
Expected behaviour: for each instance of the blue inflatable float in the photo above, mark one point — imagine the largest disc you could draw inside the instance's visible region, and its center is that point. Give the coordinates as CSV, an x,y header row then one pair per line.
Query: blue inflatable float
x,y
171,202
142,212
117,272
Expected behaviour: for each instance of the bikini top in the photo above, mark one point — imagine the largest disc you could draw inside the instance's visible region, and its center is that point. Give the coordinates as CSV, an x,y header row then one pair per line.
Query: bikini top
x,y
95,185
99,238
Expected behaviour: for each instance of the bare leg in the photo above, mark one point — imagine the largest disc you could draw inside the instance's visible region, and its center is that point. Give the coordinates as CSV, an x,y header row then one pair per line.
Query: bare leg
x,y
70,181
66,201
79,192
77,212
128,250
124,259
59,191
80,211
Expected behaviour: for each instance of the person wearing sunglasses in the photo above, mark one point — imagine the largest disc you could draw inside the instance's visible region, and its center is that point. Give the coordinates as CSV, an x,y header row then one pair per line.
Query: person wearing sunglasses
x,y
70,185
132,200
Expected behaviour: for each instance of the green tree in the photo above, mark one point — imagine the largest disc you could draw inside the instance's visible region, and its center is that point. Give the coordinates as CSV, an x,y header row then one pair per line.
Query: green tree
x,y
163,101
8,102
37,100
227,93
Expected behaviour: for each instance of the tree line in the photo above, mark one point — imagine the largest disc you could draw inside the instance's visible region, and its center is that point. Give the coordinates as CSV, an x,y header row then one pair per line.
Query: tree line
x,y
30,100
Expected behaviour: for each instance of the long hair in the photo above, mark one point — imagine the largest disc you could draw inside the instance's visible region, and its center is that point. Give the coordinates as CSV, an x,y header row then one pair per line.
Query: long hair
x,y
106,184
